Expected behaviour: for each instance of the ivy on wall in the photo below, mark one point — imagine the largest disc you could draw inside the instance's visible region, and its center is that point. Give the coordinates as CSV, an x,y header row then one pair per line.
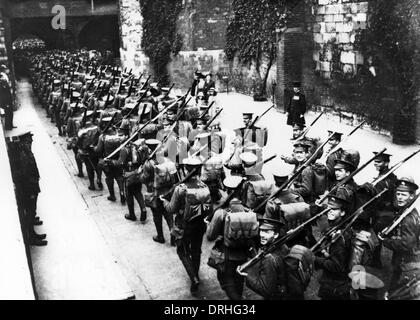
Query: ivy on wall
x,y
392,42
160,39
251,36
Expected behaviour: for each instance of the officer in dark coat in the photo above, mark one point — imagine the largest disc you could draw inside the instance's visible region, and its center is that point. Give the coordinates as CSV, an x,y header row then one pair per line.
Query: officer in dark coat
x,y
297,106
26,178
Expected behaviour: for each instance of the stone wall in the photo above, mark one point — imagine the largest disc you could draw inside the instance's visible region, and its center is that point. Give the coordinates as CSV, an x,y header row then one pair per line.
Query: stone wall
x,y
131,31
3,51
334,34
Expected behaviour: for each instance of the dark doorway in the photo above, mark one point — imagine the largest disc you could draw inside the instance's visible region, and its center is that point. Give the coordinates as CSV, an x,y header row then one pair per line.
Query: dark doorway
x,y
101,33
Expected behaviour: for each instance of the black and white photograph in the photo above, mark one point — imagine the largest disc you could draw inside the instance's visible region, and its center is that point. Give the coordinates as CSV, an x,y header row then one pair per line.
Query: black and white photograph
x,y
227,152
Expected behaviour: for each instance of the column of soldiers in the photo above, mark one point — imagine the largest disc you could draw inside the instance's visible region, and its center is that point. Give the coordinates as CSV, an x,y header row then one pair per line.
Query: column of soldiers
x,y
168,153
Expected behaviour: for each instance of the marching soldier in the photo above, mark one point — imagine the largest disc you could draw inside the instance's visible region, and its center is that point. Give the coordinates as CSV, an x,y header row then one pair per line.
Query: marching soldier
x,y
254,134
154,191
303,183
255,190
330,161
384,206
333,261
404,243
129,161
236,251
191,202
107,143
268,277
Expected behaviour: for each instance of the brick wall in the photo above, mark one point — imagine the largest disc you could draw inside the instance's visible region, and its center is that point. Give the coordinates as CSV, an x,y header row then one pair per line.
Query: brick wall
x,y
334,34
3,51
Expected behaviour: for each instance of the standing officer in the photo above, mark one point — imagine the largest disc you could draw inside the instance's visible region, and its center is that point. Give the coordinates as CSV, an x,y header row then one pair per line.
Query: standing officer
x,y
191,202
404,242
26,178
297,107
236,253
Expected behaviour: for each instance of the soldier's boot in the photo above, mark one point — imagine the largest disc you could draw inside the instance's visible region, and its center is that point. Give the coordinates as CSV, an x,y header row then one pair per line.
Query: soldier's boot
x,y
139,197
184,256
79,168
91,176
36,239
110,185
100,185
130,204
157,219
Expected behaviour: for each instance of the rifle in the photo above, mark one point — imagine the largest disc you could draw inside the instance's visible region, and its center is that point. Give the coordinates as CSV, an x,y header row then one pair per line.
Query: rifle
x,y
250,128
108,96
83,121
167,93
401,293
273,246
385,232
136,132
138,81
130,88
394,167
347,179
294,176
203,114
212,119
119,86
109,123
345,139
147,81
349,221
304,133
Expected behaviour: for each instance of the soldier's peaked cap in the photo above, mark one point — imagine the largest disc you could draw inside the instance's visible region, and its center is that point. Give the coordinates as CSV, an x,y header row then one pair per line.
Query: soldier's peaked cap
x,y
248,158
298,126
406,184
232,182
384,156
152,142
247,114
203,135
302,144
192,161
106,119
283,171
270,224
336,201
